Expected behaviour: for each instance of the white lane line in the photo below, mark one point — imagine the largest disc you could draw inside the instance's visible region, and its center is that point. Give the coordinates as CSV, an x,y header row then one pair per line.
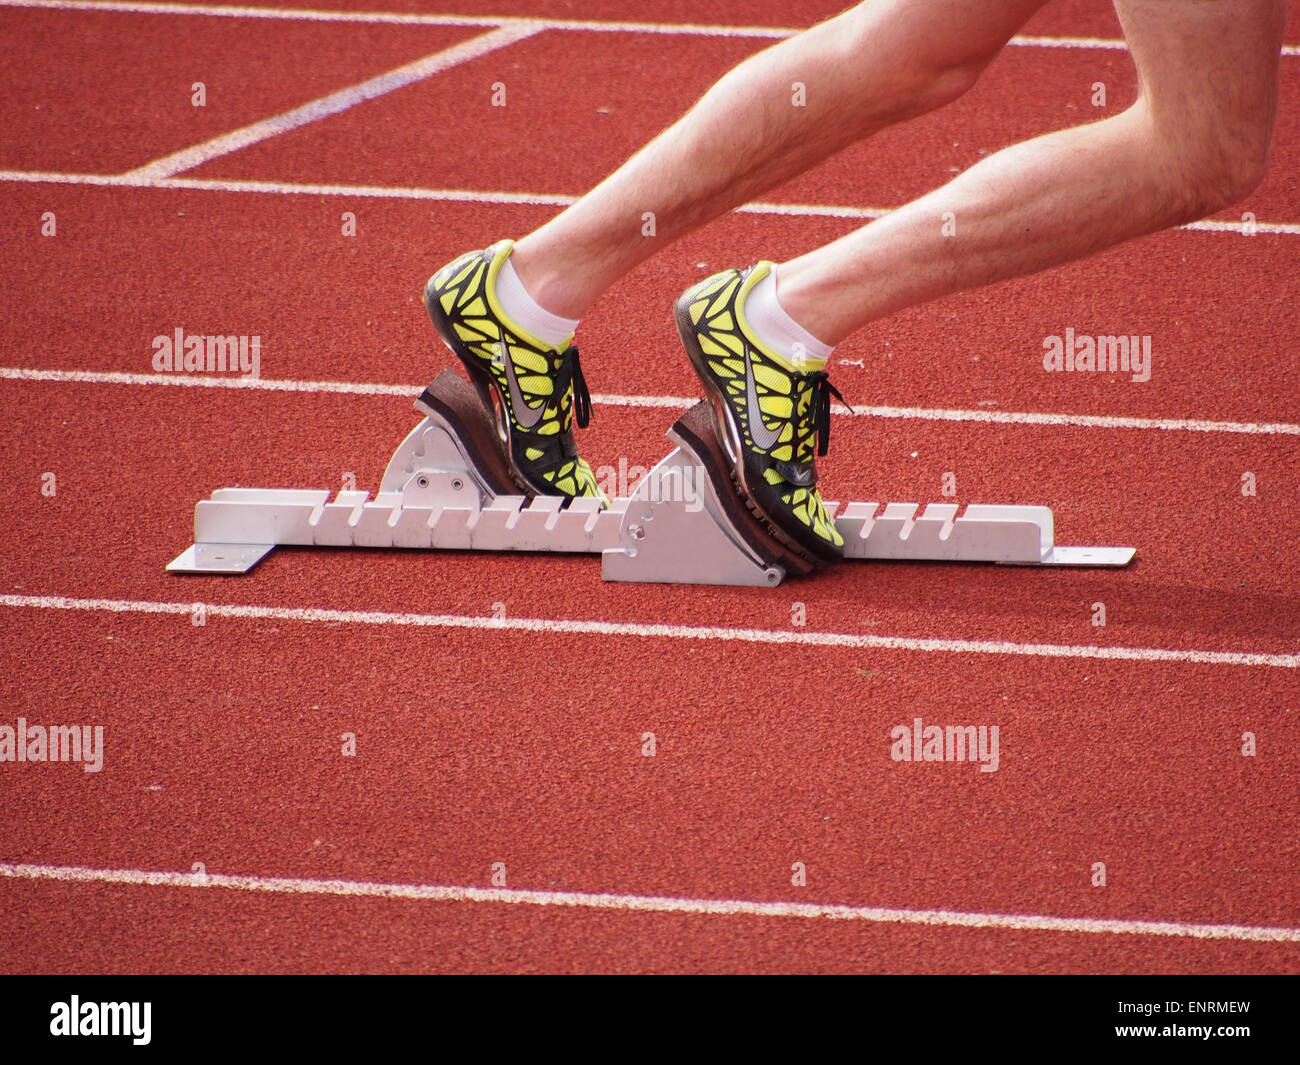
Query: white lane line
x,y
399,19
649,903
358,388
517,199
96,377
333,104
584,25
638,630
1082,421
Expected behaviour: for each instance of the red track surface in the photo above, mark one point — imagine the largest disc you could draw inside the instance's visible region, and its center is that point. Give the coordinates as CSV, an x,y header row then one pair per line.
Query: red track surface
x,y
477,746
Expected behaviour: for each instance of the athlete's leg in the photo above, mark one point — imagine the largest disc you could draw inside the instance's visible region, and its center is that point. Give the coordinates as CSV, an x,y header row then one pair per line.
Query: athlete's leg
x,y
1195,142
876,64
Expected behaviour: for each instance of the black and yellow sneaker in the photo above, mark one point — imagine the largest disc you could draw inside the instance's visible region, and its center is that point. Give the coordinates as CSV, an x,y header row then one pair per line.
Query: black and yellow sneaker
x,y
539,389
772,415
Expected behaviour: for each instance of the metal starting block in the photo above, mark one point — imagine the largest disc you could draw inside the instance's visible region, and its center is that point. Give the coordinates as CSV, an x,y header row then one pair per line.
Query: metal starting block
x,y
448,486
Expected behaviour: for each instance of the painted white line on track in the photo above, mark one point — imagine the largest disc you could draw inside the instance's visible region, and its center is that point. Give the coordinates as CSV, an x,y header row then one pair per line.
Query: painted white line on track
x,y
261,384
656,631
358,388
584,25
333,104
521,199
648,903
394,18
1081,421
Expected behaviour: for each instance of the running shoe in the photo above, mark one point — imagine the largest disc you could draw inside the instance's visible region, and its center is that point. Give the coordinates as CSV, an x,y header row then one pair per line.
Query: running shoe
x,y
539,389
772,415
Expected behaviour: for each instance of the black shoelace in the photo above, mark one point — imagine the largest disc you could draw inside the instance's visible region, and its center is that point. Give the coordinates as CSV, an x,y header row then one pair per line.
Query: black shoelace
x,y
822,390
571,372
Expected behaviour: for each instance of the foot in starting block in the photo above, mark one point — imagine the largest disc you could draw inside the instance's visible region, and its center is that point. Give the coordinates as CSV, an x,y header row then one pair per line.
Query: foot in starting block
x,y
448,486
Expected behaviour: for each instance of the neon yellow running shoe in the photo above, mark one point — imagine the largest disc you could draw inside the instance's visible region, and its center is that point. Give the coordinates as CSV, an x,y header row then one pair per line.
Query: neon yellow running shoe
x,y
539,389
771,415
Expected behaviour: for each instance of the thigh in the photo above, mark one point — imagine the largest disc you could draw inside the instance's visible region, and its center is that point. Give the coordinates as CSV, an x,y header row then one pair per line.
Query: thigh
x,y
1207,69
935,32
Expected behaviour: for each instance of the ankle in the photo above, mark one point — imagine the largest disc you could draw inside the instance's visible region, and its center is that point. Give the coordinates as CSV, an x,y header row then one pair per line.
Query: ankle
x,y
786,336
518,300
551,286
803,296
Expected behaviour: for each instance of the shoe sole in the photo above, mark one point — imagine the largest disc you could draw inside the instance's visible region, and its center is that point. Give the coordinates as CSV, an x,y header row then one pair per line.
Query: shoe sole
x,y
697,429
728,433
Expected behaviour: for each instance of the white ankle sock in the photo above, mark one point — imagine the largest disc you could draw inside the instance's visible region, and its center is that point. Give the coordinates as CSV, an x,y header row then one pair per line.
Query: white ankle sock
x,y
527,313
779,331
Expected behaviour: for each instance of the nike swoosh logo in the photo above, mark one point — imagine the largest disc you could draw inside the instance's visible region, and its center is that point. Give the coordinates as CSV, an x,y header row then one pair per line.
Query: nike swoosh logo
x,y
517,402
762,436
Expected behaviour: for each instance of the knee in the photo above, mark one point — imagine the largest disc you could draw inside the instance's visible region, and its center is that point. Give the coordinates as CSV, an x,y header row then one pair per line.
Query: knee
x,y
1239,178
1219,178
915,69
942,84
1216,169
927,84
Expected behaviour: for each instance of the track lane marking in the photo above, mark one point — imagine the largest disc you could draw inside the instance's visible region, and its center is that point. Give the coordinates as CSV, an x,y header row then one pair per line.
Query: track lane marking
x,y
357,388
650,630
521,199
648,903
334,103
137,7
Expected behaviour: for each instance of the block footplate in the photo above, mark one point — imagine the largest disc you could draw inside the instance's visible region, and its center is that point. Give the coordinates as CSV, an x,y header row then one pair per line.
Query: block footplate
x,y
449,486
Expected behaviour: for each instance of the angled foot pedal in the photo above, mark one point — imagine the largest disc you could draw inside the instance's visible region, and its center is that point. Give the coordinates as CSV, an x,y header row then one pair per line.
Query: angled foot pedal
x,y
449,486
685,524
452,402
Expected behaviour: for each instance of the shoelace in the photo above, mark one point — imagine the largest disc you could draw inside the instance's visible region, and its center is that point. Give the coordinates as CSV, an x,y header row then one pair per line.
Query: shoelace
x,y
571,373
822,390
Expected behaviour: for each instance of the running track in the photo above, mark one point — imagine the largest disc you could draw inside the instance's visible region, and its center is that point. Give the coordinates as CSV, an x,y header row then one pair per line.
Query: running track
x,y
521,741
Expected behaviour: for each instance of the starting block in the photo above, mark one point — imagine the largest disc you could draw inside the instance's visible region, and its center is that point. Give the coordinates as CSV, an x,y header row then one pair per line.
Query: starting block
x,y
448,486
